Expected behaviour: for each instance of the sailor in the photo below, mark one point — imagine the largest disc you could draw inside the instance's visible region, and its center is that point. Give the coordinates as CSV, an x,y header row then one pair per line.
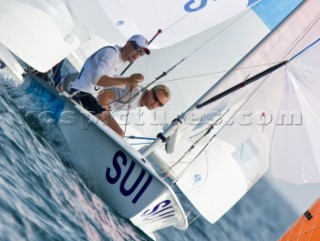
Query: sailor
x,y
117,98
99,71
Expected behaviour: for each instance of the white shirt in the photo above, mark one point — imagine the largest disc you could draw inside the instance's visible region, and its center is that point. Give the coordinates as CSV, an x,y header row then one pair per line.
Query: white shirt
x,y
105,61
124,99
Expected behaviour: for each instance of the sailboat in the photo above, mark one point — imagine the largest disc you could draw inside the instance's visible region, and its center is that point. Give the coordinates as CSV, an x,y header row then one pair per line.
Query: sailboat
x,y
217,149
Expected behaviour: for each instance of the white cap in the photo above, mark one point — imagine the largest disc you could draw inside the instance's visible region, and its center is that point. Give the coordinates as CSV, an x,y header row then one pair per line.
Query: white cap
x,y
141,41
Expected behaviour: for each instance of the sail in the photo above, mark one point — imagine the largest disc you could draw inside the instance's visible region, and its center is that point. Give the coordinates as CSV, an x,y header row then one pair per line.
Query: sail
x,y
52,30
41,33
209,55
179,19
215,170
295,150
151,66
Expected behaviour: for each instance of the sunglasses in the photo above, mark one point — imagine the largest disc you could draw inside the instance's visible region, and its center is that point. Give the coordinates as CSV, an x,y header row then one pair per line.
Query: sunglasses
x,y
156,99
138,49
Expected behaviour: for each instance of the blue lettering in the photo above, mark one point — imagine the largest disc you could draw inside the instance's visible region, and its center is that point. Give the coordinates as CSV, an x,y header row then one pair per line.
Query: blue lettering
x,y
144,187
191,6
188,6
113,180
123,190
161,211
155,209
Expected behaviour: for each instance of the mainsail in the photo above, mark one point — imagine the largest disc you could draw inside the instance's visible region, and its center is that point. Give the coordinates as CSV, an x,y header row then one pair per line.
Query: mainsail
x,y
42,33
177,18
227,149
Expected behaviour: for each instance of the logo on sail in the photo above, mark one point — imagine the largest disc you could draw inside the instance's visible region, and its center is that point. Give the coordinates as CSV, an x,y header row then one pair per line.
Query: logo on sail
x,y
197,178
120,23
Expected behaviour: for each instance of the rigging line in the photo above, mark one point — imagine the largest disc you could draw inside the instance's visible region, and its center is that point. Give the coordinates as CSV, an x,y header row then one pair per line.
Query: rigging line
x,y
124,103
298,39
128,112
192,146
214,136
307,30
176,22
152,82
163,74
131,98
191,162
196,218
207,132
261,74
208,40
220,118
305,49
150,41
218,72
120,98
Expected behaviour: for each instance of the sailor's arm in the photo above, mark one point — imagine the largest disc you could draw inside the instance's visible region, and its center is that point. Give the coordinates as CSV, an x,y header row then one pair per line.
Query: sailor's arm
x,y
131,81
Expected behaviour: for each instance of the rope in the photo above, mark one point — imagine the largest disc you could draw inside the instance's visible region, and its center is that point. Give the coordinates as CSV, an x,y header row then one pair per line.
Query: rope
x,y
128,112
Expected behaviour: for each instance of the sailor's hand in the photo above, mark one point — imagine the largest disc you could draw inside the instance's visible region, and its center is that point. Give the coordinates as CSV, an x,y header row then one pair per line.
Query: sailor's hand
x,y
134,80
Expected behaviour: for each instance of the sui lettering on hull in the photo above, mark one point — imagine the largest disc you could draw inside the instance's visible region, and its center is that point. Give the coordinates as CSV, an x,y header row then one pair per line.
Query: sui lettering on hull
x,y
113,176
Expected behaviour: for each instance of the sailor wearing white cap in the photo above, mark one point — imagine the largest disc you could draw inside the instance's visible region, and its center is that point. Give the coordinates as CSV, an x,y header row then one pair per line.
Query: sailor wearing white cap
x,y
99,70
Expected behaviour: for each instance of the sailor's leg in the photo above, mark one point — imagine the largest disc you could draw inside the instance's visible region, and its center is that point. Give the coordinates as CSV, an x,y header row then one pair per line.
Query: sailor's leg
x,y
107,118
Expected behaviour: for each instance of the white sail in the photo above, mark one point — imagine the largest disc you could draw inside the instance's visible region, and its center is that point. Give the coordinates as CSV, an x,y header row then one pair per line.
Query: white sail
x,y
210,55
41,33
151,66
295,148
179,19
223,166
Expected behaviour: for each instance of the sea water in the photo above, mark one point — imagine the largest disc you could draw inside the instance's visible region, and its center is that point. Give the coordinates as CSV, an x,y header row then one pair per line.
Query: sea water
x,y
43,198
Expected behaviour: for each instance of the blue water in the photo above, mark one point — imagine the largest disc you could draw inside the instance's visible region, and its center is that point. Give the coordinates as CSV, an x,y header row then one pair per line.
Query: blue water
x,y
43,198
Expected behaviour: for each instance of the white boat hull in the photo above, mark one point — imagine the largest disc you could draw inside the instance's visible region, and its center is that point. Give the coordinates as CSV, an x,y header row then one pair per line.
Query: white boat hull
x,y
115,171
